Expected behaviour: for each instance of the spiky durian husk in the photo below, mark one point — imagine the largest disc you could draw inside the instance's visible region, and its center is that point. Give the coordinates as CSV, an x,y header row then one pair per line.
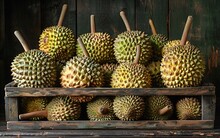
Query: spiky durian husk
x,y
183,66
99,46
158,41
129,75
170,44
81,72
125,46
62,108
153,106
33,69
154,70
100,109
128,107
31,104
58,42
82,98
108,69
188,109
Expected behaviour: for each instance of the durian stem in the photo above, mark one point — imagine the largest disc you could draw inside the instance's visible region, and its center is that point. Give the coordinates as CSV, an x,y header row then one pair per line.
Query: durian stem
x,y
62,15
85,52
186,30
122,14
138,54
153,29
103,110
21,40
42,113
165,110
92,21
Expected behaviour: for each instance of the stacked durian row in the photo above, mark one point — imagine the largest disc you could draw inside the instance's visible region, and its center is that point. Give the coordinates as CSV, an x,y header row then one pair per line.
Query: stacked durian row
x,y
126,108
97,60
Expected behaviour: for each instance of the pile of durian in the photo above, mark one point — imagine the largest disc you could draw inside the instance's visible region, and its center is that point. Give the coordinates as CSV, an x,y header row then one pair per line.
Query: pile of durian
x,y
133,59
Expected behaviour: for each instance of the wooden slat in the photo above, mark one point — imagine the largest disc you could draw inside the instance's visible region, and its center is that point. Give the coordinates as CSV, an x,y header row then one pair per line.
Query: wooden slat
x,y
208,107
114,124
11,109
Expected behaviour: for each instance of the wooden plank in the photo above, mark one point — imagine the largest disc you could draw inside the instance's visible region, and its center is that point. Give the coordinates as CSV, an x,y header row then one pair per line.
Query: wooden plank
x,y
11,109
106,15
113,124
208,107
157,10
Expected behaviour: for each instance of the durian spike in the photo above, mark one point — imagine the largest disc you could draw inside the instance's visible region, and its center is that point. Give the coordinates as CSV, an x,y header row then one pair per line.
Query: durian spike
x,y
21,40
92,22
186,30
122,14
138,54
85,52
165,110
153,29
103,110
29,115
62,15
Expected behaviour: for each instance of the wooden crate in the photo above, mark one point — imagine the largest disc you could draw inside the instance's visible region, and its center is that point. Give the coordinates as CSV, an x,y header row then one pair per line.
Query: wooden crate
x,y
206,93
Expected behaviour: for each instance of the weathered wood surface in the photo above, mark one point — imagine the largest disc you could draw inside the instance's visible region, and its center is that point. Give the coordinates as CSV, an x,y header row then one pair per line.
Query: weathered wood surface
x,y
20,92
11,109
208,107
113,124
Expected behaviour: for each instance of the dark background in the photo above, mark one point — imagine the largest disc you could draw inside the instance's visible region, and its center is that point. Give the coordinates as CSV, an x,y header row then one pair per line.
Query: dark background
x,y
32,16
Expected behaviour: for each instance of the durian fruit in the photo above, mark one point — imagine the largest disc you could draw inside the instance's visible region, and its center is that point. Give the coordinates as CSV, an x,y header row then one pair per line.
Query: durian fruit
x,y
154,70
33,68
184,65
131,75
30,104
108,69
188,109
81,72
101,108
58,41
98,44
125,44
82,98
129,107
158,107
158,41
60,108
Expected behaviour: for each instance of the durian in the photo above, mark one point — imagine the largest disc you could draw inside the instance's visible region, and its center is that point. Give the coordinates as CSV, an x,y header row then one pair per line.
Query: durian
x,y
60,108
154,70
98,44
82,98
129,107
81,72
58,41
108,69
188,109
33,68
158,107
183,66
131,75
100,109
126,42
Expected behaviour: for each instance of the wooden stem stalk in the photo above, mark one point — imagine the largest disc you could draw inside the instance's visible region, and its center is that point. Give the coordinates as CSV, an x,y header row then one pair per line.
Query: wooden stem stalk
x,y
92,22
138,55
153,29
186,30
103,110
85,52
122,14
21,40
42,113
165,110
62,15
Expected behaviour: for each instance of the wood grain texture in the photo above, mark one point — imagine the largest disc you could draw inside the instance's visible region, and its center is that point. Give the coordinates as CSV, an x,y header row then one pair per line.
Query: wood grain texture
x,y
208,107
11,109
113,124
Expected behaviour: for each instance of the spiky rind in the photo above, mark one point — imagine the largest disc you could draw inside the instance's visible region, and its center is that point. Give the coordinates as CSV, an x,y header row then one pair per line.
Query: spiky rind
x,y
82,98
129,75
188,109
99,46
153,106
81,72
62,108
108,69
125,46
183,66
100,109
154,70
58,42
33,69
129,108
